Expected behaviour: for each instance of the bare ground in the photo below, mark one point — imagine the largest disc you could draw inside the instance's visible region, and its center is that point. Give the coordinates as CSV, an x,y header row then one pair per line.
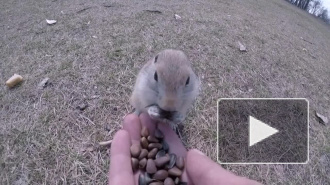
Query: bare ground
x,y
94,51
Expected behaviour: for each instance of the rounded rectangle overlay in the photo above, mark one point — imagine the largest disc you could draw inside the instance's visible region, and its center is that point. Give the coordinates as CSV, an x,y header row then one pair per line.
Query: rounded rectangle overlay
x,y
262,131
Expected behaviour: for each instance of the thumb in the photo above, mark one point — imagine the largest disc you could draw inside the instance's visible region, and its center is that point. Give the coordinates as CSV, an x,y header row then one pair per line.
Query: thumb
x,y
202,170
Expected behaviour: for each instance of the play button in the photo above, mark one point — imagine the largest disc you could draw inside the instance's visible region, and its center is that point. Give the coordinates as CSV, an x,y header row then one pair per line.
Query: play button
x,y
259,131
262,131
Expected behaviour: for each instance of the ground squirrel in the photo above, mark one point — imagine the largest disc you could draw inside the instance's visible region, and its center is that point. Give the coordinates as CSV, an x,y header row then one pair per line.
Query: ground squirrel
x,y
166,87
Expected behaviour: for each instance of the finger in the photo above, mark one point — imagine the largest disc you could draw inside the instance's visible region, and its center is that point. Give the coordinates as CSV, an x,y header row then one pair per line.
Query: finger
x,y
202,170
121,169
132,125
146,121
173,140
175,145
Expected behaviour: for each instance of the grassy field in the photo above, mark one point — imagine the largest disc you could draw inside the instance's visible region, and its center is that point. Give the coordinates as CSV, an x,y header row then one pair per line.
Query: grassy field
x,y
94,51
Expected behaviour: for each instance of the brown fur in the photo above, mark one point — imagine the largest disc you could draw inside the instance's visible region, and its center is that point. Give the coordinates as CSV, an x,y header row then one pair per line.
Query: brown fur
x,y
170,92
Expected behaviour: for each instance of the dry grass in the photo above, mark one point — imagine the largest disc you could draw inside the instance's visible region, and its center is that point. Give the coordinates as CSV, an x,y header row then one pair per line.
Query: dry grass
x,y
42,134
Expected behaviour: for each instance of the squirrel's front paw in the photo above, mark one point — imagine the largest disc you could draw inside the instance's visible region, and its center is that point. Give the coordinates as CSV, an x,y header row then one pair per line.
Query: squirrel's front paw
x,y
178,118
158,114
154,112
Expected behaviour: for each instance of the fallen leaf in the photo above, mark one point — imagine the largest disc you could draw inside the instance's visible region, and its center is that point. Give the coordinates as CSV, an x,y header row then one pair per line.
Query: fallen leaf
x,y
50,22
43,83
241,47
322,119
177,17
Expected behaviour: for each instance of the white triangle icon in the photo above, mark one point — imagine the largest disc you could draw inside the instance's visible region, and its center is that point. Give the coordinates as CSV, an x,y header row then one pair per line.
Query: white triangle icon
x,y
259,131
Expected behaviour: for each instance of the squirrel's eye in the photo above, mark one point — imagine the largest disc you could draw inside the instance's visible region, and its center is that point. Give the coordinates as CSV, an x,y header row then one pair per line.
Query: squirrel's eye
x,y
187,82
156,59
156,76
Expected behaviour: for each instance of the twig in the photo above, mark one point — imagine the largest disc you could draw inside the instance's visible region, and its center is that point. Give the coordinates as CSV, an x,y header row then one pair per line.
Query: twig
x,y
153,11
84,9
306,40
87,119
105,143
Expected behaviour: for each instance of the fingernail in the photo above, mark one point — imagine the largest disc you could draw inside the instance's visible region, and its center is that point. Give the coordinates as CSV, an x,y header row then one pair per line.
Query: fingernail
x,y
199,152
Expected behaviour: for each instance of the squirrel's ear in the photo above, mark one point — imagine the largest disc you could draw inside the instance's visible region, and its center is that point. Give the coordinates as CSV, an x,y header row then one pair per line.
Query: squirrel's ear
x,y
156,59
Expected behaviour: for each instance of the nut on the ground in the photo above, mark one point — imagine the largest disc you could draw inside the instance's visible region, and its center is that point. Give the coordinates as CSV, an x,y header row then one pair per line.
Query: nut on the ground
x,y
144,132
152,154
176,180
160,153
160,162
135,150
155,145
157,183
179,162
168,181
151,166
144,142
171,164
143,154
143,163
160,175
154,160
176,172
152,139
144,179
135,164
165,146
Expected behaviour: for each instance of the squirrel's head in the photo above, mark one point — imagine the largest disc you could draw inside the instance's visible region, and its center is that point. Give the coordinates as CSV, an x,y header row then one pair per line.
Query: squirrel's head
x,y
173,80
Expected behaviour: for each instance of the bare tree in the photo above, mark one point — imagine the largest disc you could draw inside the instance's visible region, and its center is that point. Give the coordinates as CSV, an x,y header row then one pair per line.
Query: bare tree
x,y
324,15
306,4
303,4
316,7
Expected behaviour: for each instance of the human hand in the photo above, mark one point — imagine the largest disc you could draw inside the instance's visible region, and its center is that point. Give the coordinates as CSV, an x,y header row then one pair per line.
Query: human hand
x,y
199,169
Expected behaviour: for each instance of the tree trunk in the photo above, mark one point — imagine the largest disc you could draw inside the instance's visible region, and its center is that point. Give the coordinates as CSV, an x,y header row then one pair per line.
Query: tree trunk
x,y
306,4
299,3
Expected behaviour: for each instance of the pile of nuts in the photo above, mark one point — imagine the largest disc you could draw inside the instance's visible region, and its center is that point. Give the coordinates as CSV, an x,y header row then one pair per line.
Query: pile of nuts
x,y
158,167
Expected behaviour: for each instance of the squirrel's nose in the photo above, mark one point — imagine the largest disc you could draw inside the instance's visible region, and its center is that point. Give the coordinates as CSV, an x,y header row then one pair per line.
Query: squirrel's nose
x,y
168,104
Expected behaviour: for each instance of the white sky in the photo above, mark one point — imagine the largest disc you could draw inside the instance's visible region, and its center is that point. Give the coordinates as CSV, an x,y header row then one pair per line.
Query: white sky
x,y
326,4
